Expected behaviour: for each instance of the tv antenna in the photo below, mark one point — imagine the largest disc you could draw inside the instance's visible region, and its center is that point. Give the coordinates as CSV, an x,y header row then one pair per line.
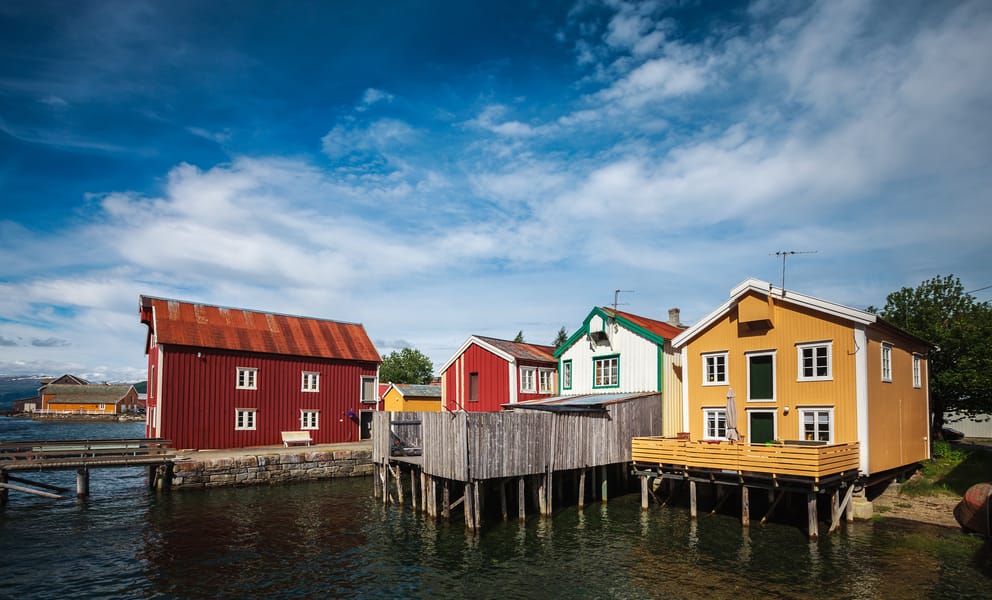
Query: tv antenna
x,y
616,297
784,254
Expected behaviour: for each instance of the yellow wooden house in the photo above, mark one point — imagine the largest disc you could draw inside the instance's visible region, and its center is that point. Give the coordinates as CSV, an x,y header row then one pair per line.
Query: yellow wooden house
x,y
411,397
815,388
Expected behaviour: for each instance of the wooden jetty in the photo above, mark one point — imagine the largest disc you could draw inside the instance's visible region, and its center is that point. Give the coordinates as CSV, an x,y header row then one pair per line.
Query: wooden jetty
x,y
82,455
558,449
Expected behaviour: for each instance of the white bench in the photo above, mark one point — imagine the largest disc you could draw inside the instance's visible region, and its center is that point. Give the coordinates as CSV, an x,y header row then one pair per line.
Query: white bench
x,y
296,437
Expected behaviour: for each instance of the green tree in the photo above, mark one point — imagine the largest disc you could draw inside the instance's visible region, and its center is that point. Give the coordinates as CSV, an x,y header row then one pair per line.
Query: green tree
x,y
561,338
960,364
520,337
409,365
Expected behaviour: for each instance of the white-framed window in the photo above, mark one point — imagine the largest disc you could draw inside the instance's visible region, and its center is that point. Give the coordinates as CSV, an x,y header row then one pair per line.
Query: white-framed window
x,y
103,407
817,424
606,371
247,378
309,419
369,395
715,368
566,374
311,382
244,419
815,361
917,371
714,423
527,380
546,381
886,362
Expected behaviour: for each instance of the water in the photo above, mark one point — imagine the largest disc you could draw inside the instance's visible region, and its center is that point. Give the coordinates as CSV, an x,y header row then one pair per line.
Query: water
x,y
330,539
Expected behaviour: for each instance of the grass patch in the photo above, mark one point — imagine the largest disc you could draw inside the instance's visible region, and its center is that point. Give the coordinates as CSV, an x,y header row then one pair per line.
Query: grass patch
x,y
882,509
950,473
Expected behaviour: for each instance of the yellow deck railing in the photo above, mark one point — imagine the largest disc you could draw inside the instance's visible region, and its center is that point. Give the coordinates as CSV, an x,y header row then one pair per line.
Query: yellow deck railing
x,y
774,459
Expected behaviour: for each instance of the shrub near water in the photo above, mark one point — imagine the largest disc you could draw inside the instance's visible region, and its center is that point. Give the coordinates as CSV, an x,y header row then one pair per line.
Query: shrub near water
x,y
950,472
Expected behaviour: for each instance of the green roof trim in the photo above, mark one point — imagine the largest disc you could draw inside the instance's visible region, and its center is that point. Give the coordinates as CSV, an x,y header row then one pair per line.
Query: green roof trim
x,y
606,315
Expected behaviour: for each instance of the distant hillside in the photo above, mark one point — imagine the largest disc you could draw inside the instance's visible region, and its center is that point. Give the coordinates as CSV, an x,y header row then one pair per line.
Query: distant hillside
x,y
15,388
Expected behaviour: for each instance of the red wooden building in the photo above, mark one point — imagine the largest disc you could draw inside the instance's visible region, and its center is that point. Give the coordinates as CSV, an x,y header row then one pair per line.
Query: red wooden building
x,y
232,378
486,373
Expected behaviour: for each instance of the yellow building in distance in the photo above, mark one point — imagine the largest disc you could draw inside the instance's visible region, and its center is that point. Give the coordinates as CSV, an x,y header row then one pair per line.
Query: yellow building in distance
x,y
412,397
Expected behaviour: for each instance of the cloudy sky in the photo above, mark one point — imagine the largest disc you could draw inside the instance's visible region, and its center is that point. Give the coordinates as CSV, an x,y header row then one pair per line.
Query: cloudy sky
x,y
439,169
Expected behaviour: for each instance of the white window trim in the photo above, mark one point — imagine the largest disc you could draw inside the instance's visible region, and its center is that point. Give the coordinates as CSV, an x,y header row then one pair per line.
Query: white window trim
x,y
528,380
250,420
816,409
886,372
550,375
310,381
251,383
774,412
566,374
726,367
812,346
917,371
706,418
747,363
614,358
313,423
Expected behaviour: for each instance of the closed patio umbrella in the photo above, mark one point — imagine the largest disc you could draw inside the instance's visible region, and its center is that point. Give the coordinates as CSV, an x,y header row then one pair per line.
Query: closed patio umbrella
x,y
732,433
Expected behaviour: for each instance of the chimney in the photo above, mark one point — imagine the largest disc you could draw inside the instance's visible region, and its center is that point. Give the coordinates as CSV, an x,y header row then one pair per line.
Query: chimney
x,y
673,317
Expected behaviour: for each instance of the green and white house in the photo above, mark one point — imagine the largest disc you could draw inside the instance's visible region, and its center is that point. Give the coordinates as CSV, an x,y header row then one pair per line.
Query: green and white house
x,y
615,352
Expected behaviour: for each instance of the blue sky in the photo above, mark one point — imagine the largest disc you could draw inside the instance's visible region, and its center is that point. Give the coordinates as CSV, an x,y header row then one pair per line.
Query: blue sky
x,y
440,169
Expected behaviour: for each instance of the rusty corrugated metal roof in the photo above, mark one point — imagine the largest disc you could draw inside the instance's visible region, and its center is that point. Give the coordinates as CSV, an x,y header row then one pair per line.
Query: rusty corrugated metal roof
x,y
205,326
522,350
660,328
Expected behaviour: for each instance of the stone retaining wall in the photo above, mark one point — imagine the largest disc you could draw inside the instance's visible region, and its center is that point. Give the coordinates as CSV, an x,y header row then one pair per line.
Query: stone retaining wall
x,y
271,468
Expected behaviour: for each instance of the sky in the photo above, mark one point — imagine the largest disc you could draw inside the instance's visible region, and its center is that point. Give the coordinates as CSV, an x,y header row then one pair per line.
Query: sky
x,y
436,169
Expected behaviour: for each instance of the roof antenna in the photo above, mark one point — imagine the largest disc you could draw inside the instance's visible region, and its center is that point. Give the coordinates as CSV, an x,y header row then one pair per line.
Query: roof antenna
x,y
616,298
783,254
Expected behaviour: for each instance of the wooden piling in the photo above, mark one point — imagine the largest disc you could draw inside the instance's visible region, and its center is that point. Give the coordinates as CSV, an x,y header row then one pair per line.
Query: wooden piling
x,y
413,489
542,496
477,505
644,492
521,499
446,507
398,476
385,484
582,488
502,500
3,488
606,479
745,507
423,490
692,500
814,531
376,492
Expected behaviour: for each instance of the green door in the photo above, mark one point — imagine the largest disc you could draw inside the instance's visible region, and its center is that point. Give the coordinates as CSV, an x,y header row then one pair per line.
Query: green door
x,y
761,427
761,377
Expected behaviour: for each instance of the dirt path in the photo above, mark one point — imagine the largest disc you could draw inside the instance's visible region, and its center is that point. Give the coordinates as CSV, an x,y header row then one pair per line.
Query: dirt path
x,y
937,510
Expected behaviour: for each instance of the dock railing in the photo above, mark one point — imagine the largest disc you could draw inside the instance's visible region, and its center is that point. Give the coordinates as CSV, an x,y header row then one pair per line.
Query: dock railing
x,y
793,459
23,455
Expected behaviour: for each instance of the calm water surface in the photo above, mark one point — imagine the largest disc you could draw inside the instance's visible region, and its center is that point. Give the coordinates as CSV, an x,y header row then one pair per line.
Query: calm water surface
x,y
330,540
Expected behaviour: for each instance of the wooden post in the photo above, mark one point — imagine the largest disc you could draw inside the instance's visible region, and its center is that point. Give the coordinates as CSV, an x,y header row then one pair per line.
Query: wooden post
x,y
398,476
551,493
477,505
582,488
772,506
502,500
814,531
82,482
542,496
423,490
692,500
521,499
3,490
834,510
745,507
413,489
431,497
606,480
446,506
845,507
375,481
644,492
385,484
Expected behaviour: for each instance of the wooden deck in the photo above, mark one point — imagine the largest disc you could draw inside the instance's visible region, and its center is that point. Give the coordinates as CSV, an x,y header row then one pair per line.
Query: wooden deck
x,y
814,463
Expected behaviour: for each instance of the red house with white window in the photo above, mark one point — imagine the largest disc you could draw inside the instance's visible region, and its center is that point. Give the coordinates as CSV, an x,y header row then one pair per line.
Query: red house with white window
x,y
486,373
233,378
